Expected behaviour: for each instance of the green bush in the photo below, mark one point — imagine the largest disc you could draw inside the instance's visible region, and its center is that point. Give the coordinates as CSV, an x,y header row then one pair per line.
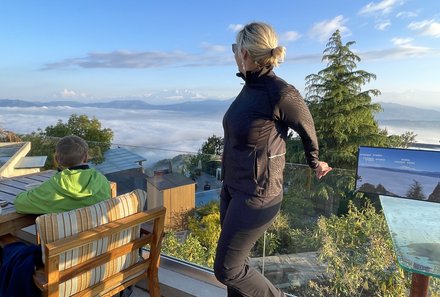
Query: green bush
x,y
190,250
361,262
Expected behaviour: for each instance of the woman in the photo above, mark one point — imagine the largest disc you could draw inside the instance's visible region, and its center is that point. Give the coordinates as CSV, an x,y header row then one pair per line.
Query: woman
x,y
255,132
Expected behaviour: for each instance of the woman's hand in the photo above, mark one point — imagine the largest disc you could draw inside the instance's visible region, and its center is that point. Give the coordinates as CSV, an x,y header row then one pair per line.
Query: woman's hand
x,y
322,169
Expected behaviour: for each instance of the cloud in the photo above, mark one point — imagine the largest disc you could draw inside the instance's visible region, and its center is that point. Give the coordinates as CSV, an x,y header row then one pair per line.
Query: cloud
x,y
173,96
314,58
322,30
289,36
148,59
403,49
383,25
383,7
401,41
426,27
213,47
407,14
66,93
235,27
168,132
122,59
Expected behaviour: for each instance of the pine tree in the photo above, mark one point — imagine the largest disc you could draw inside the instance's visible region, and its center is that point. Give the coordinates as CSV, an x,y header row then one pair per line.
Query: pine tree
x,y
416,191
342,111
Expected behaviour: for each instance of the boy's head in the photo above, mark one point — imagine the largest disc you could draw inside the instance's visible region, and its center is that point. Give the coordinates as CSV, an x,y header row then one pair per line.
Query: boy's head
x,y
71,151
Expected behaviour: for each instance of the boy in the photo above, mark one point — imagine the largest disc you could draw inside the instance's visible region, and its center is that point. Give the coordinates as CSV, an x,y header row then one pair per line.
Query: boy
x,y
74,186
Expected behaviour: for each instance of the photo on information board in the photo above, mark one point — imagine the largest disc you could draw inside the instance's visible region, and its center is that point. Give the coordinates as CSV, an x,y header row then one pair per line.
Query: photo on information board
x,y
405,173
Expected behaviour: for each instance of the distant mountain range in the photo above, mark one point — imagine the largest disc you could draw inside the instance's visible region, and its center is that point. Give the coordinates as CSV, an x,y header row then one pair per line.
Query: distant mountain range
x,y
190,106
392,113
418,172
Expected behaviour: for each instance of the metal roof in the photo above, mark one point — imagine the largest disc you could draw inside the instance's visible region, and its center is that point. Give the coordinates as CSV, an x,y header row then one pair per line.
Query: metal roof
x,y
119,159
169,180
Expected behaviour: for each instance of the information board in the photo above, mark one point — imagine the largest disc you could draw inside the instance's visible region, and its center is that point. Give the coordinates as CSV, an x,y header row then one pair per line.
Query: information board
x,y
405,173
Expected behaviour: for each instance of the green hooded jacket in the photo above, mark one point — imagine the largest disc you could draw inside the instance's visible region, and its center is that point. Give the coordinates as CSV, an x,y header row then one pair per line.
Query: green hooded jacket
x,y
66,190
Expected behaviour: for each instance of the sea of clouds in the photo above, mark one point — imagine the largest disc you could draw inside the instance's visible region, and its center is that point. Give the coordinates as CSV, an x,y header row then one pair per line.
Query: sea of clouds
x,y
155,134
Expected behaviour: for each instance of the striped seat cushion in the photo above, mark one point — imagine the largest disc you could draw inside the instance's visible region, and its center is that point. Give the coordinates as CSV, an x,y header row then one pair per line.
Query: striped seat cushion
x,y
52,227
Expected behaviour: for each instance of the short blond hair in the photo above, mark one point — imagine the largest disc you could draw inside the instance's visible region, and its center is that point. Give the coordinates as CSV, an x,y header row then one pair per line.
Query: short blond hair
x,y
261,41
71,150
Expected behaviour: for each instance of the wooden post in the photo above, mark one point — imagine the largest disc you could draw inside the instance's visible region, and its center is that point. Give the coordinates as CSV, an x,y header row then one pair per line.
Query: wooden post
x,y
419,285
113,189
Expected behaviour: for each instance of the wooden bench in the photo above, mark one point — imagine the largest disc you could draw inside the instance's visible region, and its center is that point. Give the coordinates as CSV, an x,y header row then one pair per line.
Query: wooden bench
x,y
71,260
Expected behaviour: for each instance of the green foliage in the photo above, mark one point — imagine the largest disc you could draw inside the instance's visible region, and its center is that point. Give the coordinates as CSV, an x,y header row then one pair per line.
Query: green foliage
x,y
199,247
281,238
416,191
295,150
358,251
208,157
306,197
342,110
213,146
42,146
205,226
84,127
403,140
276,231
44,142
189,250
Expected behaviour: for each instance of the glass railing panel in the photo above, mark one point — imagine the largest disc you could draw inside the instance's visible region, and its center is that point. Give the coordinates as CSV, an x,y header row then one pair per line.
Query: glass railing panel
x,y
187,184
288,252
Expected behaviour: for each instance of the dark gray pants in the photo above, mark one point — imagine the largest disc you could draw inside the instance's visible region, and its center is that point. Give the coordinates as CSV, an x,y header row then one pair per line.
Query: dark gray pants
x,y
244,218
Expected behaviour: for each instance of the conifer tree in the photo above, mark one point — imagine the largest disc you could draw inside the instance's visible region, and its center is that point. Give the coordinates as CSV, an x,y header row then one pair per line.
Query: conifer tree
x,y
416,191
342,111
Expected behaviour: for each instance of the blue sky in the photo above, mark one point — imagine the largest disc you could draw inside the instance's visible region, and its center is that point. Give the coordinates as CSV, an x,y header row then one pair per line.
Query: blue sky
x,y
400,158
166,51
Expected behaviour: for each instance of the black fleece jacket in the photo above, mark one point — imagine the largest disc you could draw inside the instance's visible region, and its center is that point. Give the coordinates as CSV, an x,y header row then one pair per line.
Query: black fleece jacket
x,y
255,131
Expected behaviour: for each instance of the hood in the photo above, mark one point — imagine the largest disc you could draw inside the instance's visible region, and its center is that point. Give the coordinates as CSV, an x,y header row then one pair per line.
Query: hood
x,y
77,184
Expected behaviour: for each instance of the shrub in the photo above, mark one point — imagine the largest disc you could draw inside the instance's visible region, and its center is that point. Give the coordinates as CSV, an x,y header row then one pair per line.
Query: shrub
x,y
358,251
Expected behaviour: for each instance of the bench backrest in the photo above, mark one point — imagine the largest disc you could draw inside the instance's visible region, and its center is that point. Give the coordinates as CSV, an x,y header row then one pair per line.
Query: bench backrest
x,y
96,248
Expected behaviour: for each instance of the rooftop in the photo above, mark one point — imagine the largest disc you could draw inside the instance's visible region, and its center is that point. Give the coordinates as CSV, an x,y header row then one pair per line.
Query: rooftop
x,y
7,150
119,159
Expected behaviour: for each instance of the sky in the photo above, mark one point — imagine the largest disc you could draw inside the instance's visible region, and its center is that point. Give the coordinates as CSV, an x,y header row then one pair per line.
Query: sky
x,y
166,51
418,160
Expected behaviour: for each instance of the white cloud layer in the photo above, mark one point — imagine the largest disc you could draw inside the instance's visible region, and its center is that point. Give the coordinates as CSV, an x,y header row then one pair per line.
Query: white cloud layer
x,y
426,27
403,49
382,26
66,93
323,30
289,36
401,41
151,133
383,7
168,132
407,14
208,47
147,59
235,27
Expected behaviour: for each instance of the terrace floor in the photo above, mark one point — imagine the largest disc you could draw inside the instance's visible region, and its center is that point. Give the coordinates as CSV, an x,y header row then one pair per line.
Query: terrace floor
x,y
178,281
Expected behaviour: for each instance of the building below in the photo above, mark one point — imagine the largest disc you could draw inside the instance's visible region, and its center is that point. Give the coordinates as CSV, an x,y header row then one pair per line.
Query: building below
x,y
15,162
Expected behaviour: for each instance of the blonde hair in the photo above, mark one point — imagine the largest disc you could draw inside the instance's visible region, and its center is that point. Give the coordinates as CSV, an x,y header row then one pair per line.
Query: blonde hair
x,y
261,41
71,150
